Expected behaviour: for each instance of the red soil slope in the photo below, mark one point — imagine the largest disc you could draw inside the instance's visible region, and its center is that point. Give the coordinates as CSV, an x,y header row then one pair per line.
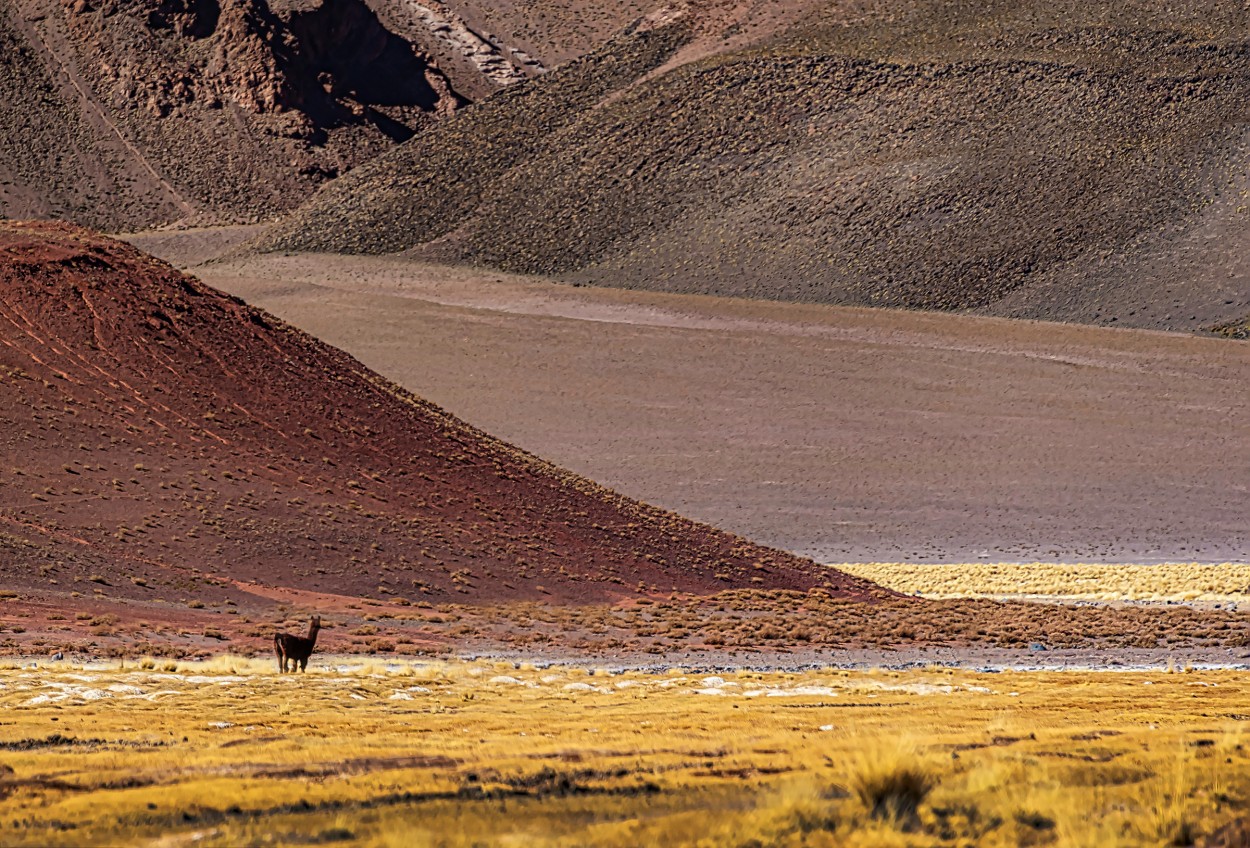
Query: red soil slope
x,y
165,441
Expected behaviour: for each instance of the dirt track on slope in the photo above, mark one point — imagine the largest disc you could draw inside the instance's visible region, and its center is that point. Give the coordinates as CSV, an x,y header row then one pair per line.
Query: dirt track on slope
x,y
844,434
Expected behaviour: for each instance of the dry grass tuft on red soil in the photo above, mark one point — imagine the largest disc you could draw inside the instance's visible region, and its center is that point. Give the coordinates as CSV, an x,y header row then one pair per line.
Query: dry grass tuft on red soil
x,y
167,443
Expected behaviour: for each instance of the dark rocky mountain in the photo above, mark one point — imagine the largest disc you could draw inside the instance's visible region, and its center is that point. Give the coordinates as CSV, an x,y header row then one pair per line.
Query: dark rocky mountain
x,y
1068,161
124,114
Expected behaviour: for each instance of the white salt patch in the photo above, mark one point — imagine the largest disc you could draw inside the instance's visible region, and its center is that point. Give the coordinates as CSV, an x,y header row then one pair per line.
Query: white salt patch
x,y
813,690
40,699
713,682
220,725
797,691
626,684
826,727
551,678
400,696
123,689
578,687
709,692
420,689
88,694
358,697
152,696
511,681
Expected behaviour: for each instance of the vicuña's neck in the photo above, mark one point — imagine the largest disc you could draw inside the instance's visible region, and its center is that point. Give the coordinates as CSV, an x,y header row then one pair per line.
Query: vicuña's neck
x,y
312,633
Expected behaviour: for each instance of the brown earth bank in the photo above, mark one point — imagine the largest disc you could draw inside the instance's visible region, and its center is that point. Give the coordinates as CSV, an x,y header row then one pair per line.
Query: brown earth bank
x,y
165,443
843,434
1068,161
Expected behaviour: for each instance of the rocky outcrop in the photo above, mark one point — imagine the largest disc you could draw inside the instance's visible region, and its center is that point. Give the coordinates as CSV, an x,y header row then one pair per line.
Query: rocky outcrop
x,y
224,110
498,63
424,191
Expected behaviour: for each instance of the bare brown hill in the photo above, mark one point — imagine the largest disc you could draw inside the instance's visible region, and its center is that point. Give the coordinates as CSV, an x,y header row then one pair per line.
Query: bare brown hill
x,y
165,441
1073,161
128,113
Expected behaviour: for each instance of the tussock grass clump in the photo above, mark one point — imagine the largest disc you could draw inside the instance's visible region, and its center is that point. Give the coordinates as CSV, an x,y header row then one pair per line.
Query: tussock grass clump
x,y
892,782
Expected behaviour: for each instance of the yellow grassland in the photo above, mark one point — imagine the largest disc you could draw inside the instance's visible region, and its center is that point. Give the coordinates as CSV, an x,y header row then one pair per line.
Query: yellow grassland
x,y
459,754
1165,582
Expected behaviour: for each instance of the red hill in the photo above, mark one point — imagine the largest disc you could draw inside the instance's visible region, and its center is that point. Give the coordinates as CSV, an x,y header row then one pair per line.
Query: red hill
x,y
165,441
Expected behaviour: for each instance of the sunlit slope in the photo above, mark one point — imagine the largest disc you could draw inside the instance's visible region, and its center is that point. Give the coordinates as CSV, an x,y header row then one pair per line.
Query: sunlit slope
x,y
169,442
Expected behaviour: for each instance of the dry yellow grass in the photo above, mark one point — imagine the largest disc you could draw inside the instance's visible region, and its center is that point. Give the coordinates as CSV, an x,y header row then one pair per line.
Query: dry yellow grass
x,y
1166,582
462,754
